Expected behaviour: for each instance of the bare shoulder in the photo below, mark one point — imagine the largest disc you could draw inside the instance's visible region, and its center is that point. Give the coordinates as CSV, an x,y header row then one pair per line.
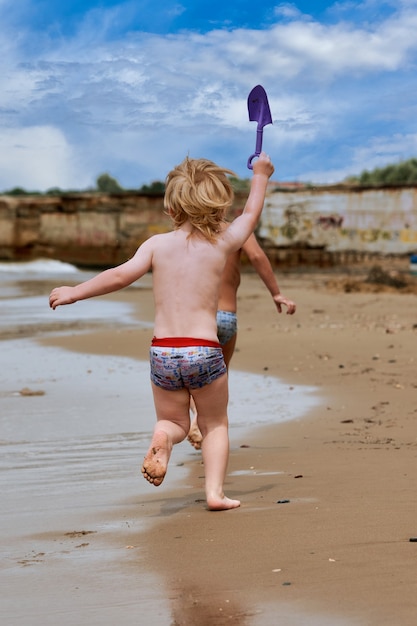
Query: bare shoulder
x,y
157,241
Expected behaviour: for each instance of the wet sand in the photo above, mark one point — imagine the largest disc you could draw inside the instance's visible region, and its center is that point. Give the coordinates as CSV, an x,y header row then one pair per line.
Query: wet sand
x,y
328,499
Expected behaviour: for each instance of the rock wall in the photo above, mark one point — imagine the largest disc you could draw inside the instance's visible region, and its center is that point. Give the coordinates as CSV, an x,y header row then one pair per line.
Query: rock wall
x,y
88,230
320,226
95,230
342,220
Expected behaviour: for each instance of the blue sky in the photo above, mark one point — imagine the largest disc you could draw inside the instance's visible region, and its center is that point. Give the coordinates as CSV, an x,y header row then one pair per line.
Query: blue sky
x,y
130,88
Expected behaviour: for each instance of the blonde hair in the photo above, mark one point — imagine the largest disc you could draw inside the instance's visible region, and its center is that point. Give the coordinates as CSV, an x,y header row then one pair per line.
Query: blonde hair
x,y
198,190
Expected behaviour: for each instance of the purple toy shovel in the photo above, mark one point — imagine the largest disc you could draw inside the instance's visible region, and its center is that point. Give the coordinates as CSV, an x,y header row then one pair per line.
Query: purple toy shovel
x,y
260,112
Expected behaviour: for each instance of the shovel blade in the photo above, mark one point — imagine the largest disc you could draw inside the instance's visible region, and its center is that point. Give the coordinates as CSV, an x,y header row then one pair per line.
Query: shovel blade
x,y
258,107
260,112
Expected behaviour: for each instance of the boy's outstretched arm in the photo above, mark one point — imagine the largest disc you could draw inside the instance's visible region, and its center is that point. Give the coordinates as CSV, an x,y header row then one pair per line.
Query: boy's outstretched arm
x,y
108,281
261,263
241,227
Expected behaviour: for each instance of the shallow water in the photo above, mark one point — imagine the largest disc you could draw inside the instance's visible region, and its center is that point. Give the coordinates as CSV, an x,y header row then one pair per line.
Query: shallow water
x,y
24,291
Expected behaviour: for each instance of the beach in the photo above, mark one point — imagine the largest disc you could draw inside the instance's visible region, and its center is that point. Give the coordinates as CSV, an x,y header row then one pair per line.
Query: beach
x,y
323,456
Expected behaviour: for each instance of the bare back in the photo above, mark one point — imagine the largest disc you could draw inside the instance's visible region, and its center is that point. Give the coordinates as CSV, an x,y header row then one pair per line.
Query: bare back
x,y
186,278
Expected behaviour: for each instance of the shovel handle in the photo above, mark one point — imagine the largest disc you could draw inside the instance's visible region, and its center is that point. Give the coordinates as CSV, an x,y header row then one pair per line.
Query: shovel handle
x,y
258,148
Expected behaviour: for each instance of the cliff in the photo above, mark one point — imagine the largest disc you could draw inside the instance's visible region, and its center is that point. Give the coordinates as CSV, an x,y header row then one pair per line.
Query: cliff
x,y
96,230
309,226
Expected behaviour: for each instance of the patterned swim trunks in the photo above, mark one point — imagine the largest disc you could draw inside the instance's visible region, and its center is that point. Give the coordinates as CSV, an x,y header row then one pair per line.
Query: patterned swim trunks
x,y
226,326
190,367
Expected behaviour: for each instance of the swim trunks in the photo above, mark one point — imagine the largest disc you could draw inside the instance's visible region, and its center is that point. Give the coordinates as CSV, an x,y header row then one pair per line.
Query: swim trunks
x,y
176,365
226,326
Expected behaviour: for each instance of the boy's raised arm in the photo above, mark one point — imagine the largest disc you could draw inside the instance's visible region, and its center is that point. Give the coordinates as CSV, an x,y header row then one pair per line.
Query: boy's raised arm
x,y
245,224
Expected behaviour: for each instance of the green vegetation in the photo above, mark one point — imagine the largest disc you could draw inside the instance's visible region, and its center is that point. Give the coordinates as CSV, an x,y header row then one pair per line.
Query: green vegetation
x,y
403,173
19,191
157,188
108,184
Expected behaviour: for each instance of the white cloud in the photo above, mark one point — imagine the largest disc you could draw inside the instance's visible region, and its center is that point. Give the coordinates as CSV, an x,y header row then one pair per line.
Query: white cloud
x,y
40,158
328,51
287,10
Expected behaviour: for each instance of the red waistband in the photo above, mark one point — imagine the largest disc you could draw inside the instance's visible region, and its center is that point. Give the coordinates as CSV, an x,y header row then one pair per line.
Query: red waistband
x,y
183,342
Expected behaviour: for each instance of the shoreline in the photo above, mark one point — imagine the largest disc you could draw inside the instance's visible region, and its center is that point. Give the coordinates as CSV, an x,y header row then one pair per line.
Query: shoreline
x,y
338,552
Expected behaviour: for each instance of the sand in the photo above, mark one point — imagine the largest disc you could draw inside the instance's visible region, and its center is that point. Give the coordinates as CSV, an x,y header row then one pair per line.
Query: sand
x,y
328,499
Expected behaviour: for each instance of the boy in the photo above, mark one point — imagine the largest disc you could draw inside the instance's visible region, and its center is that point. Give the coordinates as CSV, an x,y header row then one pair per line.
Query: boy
x,y
185,356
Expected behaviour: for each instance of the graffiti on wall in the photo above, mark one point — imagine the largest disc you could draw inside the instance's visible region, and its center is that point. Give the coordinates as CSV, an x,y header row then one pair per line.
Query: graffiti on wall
x,y
337,219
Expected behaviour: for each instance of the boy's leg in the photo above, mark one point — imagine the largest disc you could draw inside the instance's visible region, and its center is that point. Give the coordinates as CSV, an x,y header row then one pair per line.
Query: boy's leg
x,y
211,403
195,436
172,426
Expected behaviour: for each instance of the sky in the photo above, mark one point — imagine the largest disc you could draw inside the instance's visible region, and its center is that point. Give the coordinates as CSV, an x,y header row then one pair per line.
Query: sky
x,y
130,88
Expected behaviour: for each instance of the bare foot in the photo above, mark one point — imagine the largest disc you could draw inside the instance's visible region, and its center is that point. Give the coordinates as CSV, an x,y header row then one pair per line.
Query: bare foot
x,y
156,460
222,504
194,435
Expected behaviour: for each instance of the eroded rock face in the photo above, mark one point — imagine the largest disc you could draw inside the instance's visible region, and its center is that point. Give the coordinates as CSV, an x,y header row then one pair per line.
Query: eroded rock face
x,y
320,227
90,230
85,229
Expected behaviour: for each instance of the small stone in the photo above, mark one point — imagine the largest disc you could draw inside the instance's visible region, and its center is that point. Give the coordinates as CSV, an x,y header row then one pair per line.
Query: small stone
x,y
31,392
282,501
413,539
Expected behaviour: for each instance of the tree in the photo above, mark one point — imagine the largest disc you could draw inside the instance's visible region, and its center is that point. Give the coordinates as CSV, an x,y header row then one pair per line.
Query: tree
x,y
107,184
156,188
403,173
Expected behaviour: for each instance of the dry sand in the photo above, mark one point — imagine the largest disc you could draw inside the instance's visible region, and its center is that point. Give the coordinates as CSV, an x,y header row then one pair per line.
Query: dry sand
x,y
337,550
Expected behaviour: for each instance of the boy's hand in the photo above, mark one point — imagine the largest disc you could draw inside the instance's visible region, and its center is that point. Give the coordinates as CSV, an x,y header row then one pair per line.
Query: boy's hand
x,y
263,165
280,300
61,295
